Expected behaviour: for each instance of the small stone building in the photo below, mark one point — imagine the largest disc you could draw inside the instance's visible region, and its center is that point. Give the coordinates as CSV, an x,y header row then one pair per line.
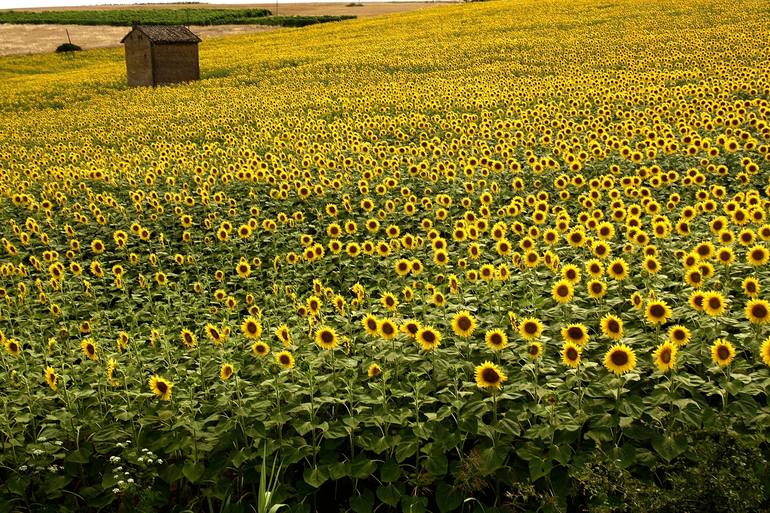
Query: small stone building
x,y
161,54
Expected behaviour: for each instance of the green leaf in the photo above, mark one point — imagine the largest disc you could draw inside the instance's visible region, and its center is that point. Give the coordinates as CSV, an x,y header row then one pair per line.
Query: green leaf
x,y
539,468
390,471
437,463
79,456
669,446
405,450
362,467
315,477
447,499
411,504
193,471
388,494
363,503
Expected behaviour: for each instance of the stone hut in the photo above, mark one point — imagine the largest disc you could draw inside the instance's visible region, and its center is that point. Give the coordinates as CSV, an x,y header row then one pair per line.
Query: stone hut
x,y
161,54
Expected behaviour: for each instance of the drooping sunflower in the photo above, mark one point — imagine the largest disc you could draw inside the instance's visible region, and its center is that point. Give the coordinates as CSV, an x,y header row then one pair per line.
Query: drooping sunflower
x,y
612,327
371,324
575,333
285,359
679,335
535,350
714,303
722,352
226,371
657,312
387,329
161,387
496,340
489,375
251,328
570,354
463,324
620,359
428,338
373,370
50,377
326,337
664,356
260,348
89,348
758,311
530,328
562,292
764,351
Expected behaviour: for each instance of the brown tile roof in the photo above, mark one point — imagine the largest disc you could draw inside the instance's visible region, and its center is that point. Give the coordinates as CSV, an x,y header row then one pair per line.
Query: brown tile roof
x,y
165,34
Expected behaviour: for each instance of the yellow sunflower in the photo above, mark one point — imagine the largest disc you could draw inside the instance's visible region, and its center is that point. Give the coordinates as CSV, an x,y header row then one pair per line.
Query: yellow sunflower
x,y
657,312
89,348
260,348
463,324
50,377
371,324
188,338
618,269
722,352
570,354
326,337
226,371
428,338
758,311
597,289
612,327
251,328
751,286
562,292
679,335
489,375
757,256
410,327
535,350
14,347
161,387
714,303
373,370
285,359
530,328
496,340
620,359
387,329
575,333
664,356
764,351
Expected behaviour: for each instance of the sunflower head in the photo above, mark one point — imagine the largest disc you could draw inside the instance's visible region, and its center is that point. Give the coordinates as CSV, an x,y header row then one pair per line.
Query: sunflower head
x,y
373,370
620,359
664,356
722,352
161,387
226,371
657,312
251,328
612,327
562,292
285,359
489,375
496,340
764,352
463,324
575,333
570,354
326,337
50,377
410,327
260,348
714,303
371,324
428,338
530,328
535,350
679,335
758,311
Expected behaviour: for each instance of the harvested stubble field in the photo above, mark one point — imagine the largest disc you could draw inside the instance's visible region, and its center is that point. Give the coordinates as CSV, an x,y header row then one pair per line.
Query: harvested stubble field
x,y
511,256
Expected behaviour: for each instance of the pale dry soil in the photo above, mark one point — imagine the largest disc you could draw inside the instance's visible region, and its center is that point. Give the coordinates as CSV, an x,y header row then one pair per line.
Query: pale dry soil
x,y
27,39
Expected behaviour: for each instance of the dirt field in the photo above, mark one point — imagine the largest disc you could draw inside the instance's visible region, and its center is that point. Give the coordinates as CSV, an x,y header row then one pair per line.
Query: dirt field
x,y
26,39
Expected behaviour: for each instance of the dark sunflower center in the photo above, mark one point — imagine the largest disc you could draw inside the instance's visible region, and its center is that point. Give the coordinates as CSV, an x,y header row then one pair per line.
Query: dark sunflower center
x,y
678,334
490,376
14,347
375,371
613,326
619,358
496,339
617,269
759,311
575,333
698,300
327,337
751,288
372,324
411,328
162,388
715,303
665,355
571,274
464,323
261,349
534,350
723,352
562,291
285,359
429,337
572,354
530,328
757,255
596,288
387,328
251,327
657,311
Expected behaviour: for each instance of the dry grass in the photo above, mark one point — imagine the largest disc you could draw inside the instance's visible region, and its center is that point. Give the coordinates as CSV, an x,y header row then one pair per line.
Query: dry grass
x,y
27,39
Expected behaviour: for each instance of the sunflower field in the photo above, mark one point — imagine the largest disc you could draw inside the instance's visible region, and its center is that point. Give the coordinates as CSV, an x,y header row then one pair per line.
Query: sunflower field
x,y
498,257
